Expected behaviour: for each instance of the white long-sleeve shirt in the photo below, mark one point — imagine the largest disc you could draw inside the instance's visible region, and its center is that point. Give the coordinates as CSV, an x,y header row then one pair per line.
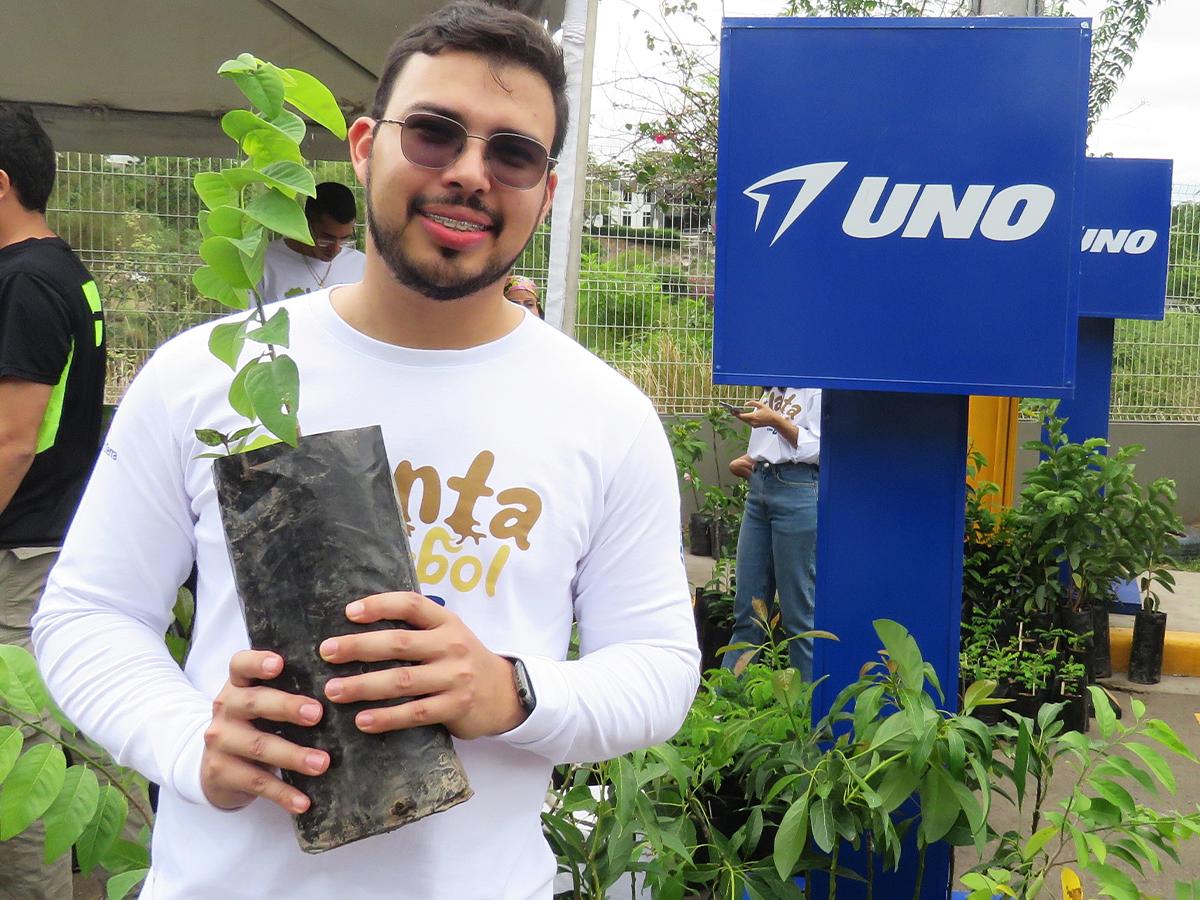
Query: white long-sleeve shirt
x,y
802,406
577,517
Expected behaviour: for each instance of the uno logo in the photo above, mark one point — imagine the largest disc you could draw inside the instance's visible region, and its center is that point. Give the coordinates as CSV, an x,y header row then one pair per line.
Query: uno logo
x,y
1105,240
1011,213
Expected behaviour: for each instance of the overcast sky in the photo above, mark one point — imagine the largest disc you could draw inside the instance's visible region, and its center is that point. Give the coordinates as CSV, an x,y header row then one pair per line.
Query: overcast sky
x,y
1156,112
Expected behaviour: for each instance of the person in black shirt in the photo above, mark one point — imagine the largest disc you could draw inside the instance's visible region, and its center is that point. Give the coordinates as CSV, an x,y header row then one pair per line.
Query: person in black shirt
x,y
51,398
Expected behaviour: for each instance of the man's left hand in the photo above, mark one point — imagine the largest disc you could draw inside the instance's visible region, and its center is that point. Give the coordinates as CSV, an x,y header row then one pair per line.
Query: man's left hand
x,y
456,680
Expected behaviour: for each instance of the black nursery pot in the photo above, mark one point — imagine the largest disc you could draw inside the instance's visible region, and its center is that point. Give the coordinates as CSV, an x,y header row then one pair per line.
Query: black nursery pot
x,y
1080,623
1146,651
310,529
711,633
1101,663
700,530
1075,716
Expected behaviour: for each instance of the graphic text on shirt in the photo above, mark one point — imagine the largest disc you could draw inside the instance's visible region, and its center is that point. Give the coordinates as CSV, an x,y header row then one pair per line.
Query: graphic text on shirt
x,y
440,554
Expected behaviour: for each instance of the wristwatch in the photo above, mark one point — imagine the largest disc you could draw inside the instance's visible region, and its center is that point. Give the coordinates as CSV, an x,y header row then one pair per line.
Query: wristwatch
x,y
524,686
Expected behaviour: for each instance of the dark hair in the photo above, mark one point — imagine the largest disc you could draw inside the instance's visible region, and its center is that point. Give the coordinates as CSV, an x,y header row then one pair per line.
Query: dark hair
x,y
27,155
500,35
333,200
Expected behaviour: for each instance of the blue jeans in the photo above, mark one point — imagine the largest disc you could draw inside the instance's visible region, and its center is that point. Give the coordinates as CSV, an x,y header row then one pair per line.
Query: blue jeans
x,y
777,550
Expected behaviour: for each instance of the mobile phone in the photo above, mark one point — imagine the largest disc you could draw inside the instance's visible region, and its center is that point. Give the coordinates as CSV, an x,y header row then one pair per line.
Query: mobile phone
x,y
736,410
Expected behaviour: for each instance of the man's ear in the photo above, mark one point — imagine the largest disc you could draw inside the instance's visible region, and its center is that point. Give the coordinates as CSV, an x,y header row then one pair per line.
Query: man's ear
x,y
5,184
360,136
548,200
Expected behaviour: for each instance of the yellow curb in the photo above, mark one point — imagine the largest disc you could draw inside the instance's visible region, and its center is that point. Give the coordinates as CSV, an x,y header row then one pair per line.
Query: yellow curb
x,y
1181,651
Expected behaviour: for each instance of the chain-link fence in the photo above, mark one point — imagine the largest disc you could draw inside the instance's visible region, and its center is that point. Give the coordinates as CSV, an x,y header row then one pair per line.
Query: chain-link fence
x,y
645,288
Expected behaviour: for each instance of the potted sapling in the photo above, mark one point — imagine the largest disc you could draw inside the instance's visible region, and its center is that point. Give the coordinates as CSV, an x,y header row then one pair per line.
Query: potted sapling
x,y
1157,536
311,522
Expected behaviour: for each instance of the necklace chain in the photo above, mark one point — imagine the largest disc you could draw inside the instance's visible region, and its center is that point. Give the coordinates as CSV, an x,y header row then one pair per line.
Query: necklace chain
x,y
320,279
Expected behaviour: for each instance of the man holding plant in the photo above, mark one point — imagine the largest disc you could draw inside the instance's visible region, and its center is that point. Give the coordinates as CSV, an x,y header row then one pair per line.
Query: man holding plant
x,y
457,161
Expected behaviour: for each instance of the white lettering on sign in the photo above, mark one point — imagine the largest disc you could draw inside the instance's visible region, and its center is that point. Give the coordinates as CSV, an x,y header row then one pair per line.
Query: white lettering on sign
x,y
1014,213
1105,240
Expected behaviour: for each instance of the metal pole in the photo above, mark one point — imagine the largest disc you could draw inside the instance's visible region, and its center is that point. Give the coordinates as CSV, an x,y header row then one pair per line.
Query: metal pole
x,y
566,226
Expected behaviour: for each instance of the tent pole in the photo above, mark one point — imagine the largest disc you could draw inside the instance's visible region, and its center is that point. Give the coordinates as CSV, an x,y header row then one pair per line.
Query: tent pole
x,y
566,226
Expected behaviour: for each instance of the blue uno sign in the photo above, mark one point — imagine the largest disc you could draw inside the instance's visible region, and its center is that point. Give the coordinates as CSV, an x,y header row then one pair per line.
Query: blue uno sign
x,y
1126,236
895,210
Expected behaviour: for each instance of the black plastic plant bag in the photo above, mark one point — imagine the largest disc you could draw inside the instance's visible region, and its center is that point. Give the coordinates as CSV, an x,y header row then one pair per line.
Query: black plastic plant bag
x,y
309,530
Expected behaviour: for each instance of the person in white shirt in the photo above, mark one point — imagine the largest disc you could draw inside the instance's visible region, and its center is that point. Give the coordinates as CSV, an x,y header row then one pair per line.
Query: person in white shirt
x,y
292,268
457,159
777,544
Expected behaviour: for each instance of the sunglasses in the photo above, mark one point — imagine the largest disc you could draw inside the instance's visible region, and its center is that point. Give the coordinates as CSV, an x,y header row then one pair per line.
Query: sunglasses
x,y
434,142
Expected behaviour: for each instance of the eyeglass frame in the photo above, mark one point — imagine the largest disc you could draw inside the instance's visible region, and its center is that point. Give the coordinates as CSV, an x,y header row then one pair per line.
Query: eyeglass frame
x,y
344,243
551,161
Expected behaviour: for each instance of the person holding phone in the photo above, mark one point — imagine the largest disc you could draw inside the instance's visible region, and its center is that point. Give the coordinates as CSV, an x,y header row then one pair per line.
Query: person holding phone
x,y
777,544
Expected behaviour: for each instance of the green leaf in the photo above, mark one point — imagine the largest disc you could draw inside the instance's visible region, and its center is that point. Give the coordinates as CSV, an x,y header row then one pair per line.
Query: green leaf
x,y
214,190
822,824
71,811
1021,761
102,829
791,837
244,63
939,806
223,256
312,98
209,437
239,400
290,178
290,124
281,214
1155,763
263,87
226,221
275,331
213,286
271,386
903,651
11,741
125,855
1037,841
20,683
1114,794
976,693
1165,735
268,145
1105,717
30,788
118,886
263,440
225,342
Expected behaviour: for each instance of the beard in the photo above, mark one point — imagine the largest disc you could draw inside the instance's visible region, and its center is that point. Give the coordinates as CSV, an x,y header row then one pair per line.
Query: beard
x,y
442,279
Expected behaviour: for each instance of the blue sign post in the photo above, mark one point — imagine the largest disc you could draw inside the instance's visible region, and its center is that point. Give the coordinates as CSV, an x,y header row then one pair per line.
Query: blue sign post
x,y
1123,275
898,221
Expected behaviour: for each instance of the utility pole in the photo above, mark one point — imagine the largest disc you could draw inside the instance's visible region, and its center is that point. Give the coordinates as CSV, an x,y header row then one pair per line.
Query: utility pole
x,y
1008,8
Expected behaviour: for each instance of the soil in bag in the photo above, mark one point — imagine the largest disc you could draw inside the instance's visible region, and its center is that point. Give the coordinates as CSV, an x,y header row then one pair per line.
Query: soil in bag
x,y
309,530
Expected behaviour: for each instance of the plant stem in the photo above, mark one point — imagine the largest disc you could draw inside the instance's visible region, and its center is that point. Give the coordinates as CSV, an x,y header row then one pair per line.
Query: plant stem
x,y
870,844
76,750
833,857
920,872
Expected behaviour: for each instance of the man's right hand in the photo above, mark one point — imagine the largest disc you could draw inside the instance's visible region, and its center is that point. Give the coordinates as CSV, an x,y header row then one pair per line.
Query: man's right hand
x,y
742,467
239,759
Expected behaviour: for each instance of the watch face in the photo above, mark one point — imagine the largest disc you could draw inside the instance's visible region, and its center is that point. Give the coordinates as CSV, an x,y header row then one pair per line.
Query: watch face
x,y
524,689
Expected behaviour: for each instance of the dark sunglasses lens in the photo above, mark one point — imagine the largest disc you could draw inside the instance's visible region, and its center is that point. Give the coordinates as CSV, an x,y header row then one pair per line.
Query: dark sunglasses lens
x,y
516,161
431,141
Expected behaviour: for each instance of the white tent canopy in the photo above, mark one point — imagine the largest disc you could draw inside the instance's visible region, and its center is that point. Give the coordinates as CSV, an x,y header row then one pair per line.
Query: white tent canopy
x,y
139,76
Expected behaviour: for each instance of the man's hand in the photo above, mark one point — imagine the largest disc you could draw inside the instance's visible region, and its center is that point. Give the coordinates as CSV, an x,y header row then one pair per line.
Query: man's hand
x,y
459,682
742,467
238,758
760,416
